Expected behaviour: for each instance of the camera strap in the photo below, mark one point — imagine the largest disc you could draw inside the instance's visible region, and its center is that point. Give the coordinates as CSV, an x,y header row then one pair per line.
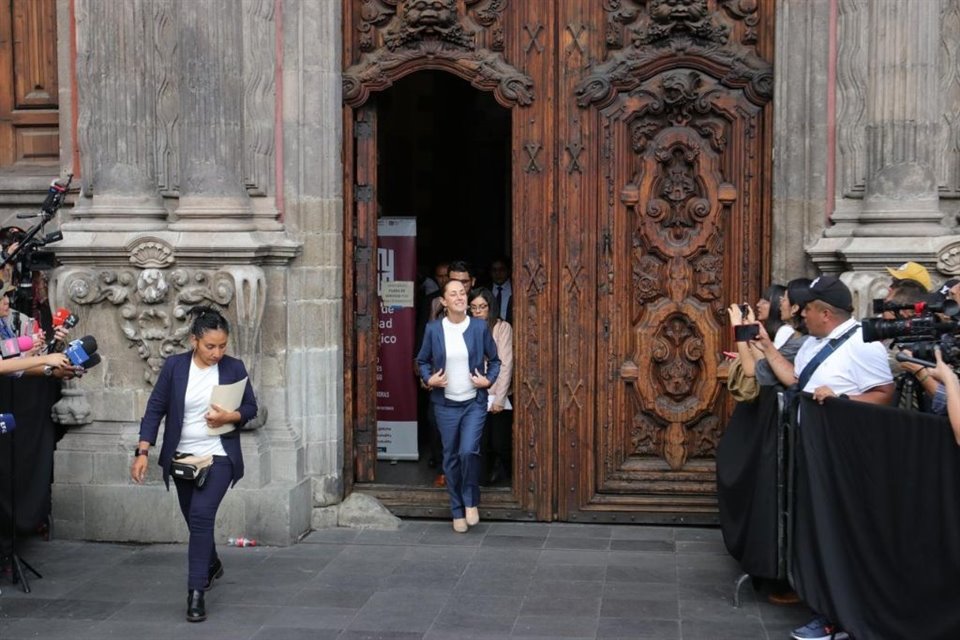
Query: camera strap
x,y
822,355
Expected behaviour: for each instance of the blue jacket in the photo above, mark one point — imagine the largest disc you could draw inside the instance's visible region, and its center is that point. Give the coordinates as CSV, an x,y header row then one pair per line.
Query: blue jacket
x,y
481,354
166,401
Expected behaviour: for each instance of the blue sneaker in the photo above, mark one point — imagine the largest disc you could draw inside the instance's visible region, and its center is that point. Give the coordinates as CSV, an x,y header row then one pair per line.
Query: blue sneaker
x,y
819,629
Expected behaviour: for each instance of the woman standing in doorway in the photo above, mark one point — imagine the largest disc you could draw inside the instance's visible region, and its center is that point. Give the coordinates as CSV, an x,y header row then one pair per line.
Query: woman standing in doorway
x,y
458,362
497,437
182,397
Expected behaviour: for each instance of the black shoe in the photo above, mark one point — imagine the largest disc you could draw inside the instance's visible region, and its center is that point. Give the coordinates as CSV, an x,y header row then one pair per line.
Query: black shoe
x,y
196,610
216,571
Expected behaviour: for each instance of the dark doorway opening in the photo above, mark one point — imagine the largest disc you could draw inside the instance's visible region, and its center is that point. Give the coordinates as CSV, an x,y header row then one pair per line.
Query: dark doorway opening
x,y
443,158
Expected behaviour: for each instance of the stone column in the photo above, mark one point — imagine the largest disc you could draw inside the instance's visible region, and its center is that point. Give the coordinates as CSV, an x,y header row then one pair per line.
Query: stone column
x,y
212,193
117,115
903,108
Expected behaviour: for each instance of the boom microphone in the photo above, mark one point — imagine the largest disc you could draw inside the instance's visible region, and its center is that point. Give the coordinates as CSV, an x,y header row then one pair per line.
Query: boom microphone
x,y
13,347
79,352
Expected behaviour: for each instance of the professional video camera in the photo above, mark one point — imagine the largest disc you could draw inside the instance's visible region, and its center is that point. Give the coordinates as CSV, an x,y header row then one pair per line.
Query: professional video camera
x,y
934,325
28,251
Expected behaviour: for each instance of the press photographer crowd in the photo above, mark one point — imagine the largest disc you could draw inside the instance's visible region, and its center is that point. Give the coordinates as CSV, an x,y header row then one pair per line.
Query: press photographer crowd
x,y
36,355
838,475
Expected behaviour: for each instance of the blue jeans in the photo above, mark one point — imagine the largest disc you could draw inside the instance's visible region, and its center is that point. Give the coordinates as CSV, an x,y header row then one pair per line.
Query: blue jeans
x,y
461,426
199,508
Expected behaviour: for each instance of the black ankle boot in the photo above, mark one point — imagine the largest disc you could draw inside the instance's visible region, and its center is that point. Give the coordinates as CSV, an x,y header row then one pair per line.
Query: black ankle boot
x,y
216,571
196,610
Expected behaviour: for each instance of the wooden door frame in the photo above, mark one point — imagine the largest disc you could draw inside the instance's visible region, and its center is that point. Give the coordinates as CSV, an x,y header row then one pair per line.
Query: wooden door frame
x,y
534,233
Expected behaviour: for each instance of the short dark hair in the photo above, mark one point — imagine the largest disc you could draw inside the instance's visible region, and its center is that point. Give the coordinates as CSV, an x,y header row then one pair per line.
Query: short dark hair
x,y
206,318
493,313
461,266
907,291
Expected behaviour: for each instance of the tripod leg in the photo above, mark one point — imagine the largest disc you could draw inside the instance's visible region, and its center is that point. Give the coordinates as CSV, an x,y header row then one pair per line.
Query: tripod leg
x,y
18,573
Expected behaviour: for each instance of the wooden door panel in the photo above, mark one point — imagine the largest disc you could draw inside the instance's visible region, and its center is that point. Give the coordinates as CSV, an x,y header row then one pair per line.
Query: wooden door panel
x,y
675,105
29,90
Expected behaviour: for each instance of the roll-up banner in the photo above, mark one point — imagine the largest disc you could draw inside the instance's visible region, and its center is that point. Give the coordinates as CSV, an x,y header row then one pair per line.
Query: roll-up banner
x,y
396,382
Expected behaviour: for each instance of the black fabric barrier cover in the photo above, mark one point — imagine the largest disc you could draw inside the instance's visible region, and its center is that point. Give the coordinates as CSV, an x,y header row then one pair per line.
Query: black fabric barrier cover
x,y
29,399
747,485
877,513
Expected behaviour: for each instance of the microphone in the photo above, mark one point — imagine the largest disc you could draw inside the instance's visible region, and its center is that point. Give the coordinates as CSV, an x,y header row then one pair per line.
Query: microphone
x,y
64,318
7,423
80,351
13,347
55,196
91,362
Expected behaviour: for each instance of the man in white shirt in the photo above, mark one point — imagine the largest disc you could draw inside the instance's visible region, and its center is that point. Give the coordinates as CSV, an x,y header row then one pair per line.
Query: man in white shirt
x,y
856,369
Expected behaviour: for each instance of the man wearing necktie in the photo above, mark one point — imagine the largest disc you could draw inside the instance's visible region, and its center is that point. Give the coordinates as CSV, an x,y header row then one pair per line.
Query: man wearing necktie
x,y
502,287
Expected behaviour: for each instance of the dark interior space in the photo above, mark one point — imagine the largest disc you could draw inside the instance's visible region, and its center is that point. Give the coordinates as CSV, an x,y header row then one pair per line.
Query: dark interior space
x,y
444,157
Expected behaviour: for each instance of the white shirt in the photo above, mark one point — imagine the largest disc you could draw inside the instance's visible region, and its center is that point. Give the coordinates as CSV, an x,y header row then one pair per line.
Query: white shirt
x,y
783,334
196,402
459,385
854,368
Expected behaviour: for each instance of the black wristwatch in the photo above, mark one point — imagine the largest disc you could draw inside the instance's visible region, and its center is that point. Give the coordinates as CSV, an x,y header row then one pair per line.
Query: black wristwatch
x,y
140,452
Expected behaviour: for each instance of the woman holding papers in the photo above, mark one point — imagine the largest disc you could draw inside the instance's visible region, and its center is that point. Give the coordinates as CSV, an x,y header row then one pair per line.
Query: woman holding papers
x,y
195,426
458,362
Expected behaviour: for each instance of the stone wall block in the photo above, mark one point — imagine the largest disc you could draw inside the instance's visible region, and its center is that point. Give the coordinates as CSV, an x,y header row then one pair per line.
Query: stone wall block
x,y
327,489
73,468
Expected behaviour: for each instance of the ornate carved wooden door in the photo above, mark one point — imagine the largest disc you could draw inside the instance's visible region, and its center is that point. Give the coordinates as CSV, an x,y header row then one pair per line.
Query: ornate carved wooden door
x,y
502,47
663,222
640,151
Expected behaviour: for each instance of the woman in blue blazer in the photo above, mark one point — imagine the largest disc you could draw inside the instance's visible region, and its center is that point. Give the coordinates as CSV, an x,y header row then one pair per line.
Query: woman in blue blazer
x,y
458,362
181,396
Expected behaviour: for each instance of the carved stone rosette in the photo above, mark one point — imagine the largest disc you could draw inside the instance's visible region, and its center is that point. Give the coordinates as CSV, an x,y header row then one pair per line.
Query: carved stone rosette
x,y
397,35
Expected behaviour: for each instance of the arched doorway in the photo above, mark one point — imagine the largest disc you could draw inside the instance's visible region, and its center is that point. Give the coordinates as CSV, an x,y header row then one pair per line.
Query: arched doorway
x,y
640,144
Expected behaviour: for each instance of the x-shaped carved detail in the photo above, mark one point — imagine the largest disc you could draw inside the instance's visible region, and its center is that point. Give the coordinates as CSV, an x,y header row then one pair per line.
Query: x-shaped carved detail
x,y
576,32
574,275
533,150
574,149
534,35
572,391
536,278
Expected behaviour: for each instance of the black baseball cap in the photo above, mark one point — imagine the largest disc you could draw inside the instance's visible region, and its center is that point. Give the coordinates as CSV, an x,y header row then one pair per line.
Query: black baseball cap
x,y
828,289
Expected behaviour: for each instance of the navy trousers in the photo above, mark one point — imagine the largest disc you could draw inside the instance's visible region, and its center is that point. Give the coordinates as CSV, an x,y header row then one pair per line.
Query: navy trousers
x,y
199,508
461,427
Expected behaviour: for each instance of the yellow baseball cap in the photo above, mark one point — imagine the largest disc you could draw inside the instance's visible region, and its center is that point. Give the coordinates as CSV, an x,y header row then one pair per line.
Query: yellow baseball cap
x,y
912,271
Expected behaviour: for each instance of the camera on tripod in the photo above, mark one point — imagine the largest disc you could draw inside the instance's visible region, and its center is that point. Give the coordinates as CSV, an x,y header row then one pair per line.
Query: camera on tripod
x,y
29,253
934,325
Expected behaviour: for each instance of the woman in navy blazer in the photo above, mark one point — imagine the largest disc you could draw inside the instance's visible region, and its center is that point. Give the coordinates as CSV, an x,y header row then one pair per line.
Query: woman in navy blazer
x,y
181,397
458,362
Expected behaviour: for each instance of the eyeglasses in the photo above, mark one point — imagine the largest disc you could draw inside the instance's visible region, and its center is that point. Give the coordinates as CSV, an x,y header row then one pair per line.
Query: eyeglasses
x,y
479,307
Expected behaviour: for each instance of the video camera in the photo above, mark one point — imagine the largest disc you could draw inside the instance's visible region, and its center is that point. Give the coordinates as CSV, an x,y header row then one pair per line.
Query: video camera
x,y
934,325
29,242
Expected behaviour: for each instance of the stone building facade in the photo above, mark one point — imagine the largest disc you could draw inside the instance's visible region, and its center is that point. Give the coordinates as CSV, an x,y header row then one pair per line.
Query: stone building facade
x,y
206,136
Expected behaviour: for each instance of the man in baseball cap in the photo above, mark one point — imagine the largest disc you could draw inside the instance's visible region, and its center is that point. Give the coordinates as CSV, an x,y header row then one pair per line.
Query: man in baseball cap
x,y
828,289
912,271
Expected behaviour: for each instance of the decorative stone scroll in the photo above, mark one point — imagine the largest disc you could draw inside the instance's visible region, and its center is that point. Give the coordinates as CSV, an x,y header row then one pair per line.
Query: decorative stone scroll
x,y
398,36
153,298
645,38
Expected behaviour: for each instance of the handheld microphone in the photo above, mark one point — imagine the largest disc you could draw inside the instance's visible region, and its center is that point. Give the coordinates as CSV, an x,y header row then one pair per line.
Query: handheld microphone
x,y
64,318
80,351
13,347
7,423
91,362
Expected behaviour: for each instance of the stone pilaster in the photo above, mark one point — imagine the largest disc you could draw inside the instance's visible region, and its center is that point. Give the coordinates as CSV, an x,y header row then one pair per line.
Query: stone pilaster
x,y
903,111
212,193
117,115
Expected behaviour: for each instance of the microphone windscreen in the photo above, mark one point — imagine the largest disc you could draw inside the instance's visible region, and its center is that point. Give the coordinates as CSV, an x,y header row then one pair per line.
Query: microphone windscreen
x,y
92,361
13,347
25,343
89,344
64,318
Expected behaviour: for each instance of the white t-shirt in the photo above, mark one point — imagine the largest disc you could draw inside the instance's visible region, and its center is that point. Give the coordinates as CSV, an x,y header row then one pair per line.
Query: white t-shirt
x,y
783,334
459,385
193,437
854,368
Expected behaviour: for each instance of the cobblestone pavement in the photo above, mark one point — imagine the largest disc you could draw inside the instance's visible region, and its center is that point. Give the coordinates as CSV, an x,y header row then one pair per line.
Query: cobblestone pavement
x,y
501,580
